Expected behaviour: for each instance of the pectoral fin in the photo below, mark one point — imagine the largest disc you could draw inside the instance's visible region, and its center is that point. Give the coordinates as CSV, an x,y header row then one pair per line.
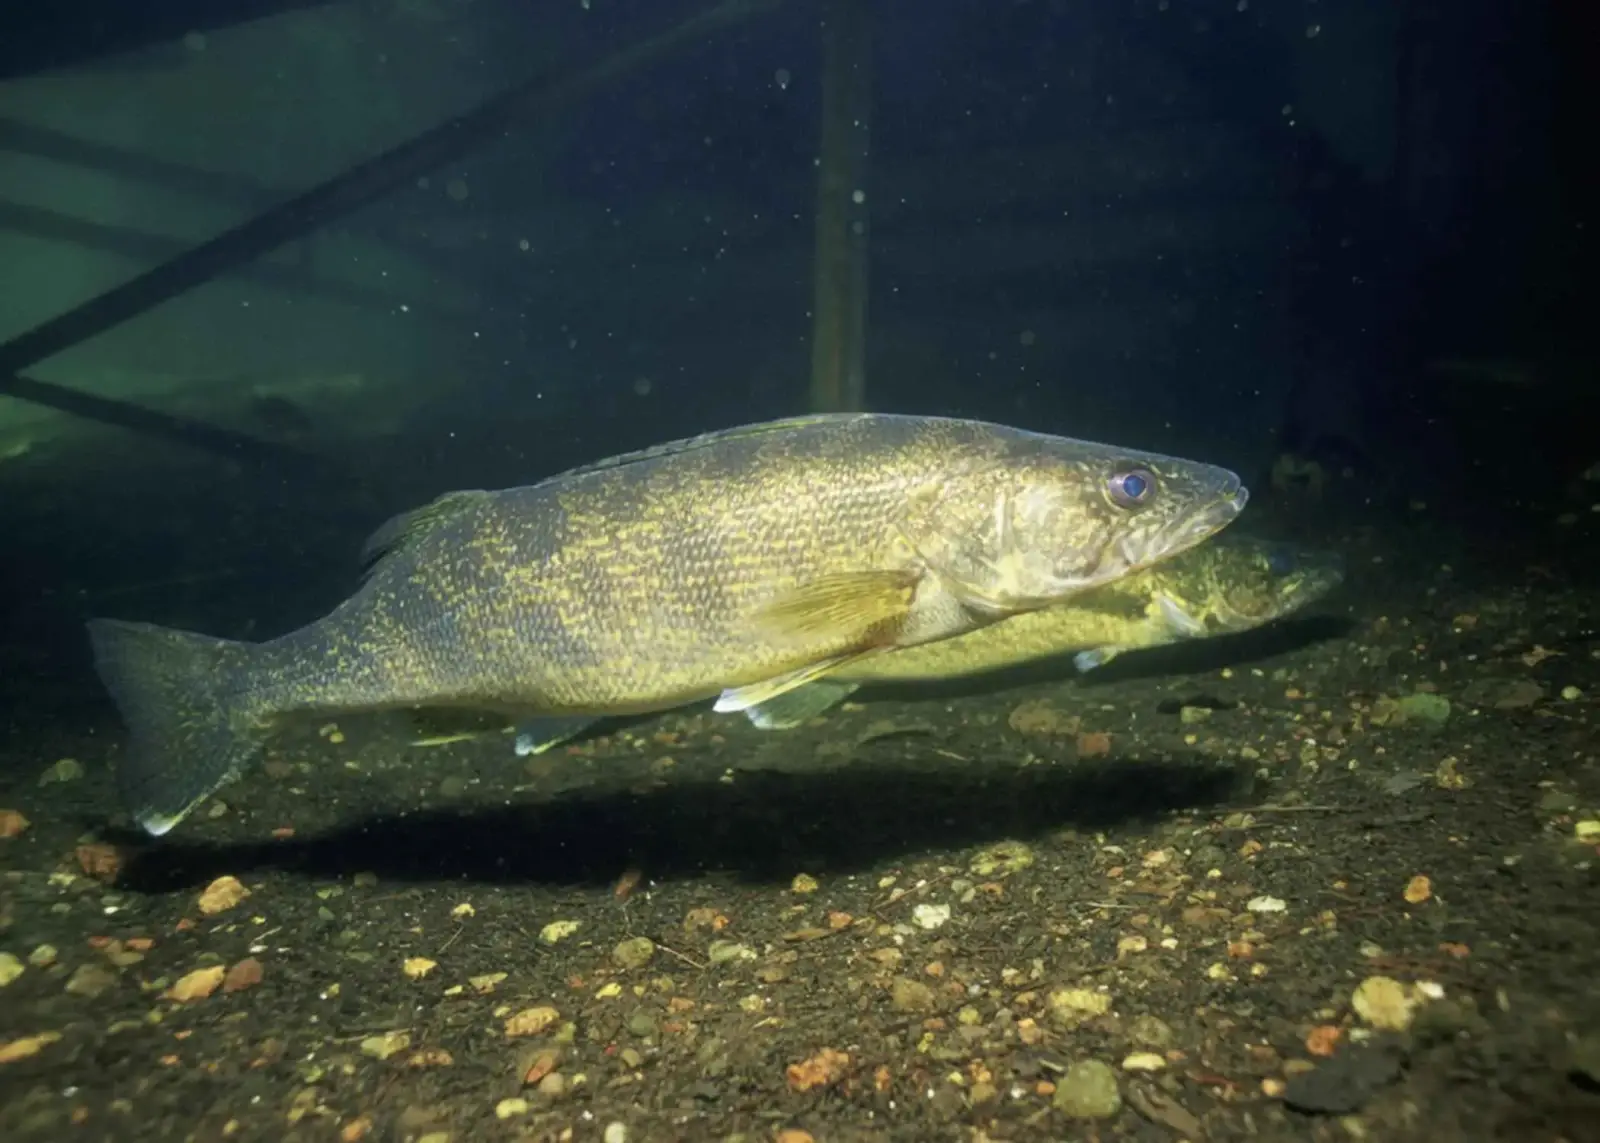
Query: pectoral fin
x,y
787,711
762,693
1087,661
859,608
1179,621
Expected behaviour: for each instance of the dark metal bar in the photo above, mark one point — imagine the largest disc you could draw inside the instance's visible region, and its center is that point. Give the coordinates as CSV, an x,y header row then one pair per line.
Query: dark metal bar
x,y
357,187
41,222
166,426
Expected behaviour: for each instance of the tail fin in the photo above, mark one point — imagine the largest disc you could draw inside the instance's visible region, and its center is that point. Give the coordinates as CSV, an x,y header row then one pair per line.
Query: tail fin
x,y
182,698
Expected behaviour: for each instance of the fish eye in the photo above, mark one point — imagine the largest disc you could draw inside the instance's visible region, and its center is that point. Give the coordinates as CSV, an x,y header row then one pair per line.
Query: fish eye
x,y
1132,487
1280,562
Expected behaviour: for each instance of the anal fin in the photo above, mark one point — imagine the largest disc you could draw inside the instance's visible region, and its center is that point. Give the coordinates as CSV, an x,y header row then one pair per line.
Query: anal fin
x,y
763,692
794,708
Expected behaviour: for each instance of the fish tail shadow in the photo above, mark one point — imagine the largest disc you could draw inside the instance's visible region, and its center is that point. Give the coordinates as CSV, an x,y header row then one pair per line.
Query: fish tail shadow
x,y
192,721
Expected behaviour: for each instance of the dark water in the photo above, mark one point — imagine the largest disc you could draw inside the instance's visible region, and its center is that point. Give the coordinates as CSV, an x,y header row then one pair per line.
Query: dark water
x,y
1349,263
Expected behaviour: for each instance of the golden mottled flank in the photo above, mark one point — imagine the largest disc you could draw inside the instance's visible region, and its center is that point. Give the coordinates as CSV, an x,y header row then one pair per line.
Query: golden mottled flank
x,y
746,562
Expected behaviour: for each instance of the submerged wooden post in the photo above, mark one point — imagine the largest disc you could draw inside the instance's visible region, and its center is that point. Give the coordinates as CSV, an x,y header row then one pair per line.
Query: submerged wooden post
x,y
839,305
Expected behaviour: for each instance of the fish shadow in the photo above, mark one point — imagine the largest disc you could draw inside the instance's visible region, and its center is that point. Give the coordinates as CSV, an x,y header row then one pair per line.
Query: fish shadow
x,y
760,828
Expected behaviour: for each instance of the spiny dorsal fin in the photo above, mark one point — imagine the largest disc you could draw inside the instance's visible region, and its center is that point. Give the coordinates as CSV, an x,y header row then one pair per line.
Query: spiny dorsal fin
x,y
706,440
400,532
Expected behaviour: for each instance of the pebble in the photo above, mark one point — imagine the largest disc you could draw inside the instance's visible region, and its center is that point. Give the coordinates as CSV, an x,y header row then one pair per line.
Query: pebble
x,y
1072,1006
930,917
1384,1003
1002,857
725,952
1150,1030
557,931
635,952
616,1132
91,980
11,967
910,995
66,770
511,1107
1088,1091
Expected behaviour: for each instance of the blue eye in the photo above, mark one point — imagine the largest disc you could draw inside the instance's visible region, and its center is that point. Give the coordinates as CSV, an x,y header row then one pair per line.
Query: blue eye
x,y
1281,562
1131,488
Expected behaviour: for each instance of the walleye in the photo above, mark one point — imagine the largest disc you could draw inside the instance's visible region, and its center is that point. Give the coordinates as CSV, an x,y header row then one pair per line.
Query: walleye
x,y
740,564
1230,584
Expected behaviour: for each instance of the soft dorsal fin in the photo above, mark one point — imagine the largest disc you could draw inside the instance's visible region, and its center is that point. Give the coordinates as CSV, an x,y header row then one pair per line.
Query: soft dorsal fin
x,y
400,532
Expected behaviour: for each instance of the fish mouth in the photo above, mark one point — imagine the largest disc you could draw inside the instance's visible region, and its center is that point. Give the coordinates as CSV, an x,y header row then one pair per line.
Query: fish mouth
x,y
1194,529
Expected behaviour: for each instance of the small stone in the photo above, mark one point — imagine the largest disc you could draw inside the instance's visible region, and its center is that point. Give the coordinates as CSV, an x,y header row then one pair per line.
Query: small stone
x,y
1571,694
1151,1031
1429,709
930,917
803,883
726,952
11,967
1384,1003
1587,830
1266,905
197,985
43,956
1519,694
552,1086
908,995
12,823
1088,1091
221,895
1041,718
246,974
417,967
381,1047
531,1021
1189,715
636,952
557,931
1001,858
511,1107
1418,890
616,1132
91,980
1072,1006
65,770
1144,1062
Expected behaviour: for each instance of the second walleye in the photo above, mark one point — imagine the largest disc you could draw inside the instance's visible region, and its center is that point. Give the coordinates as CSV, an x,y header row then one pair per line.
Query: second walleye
x,y
1226,586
